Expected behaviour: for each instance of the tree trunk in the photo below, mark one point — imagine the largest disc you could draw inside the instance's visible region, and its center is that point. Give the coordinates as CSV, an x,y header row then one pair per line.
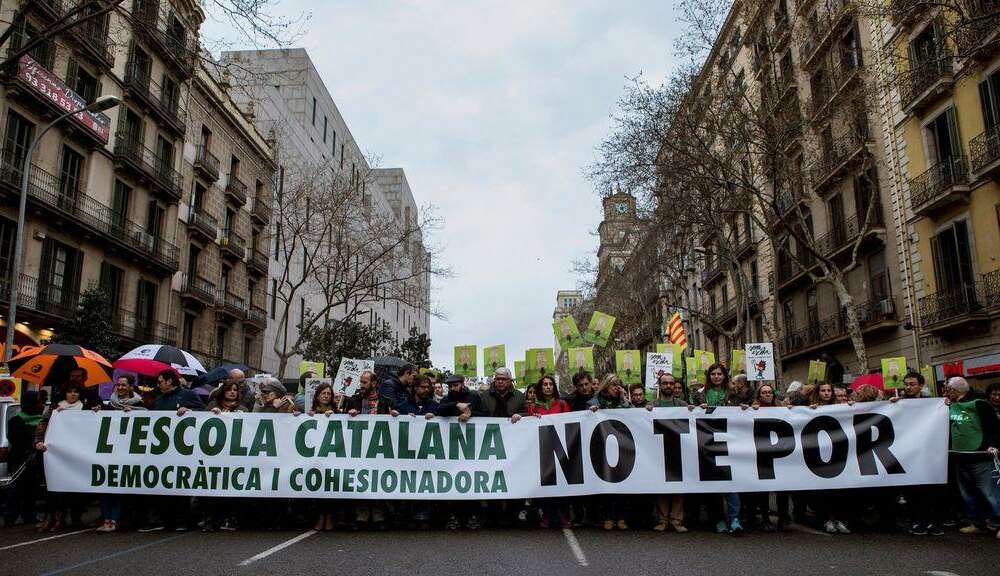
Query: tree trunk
x,y
851,319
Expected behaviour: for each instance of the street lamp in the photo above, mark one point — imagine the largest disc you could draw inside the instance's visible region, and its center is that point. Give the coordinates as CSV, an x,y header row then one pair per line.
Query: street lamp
x,y
99,105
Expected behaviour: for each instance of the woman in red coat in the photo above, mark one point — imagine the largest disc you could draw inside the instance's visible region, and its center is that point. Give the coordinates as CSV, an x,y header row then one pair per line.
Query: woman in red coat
x,y
547,401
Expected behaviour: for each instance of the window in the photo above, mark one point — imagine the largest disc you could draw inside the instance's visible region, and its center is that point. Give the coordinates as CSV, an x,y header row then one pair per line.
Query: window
x,y
170,93
943,142
121,197
989,98
17,138
850,51
953,258
220,341
812,307
754,278
139,67
154,218
324,129
187,332
341,156
70,176
82,82
8,232
880,287
333,147
302,312
314,111
788,314
43,53
113,283
145,307
274,299
234,168
59,281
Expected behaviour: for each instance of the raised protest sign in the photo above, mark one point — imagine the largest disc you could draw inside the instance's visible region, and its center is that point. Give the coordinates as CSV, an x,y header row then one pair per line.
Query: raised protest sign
x,y
666,450
494,357
580,360
760,361
567,333
599,329
628,364
676,351
465,361
656,366
349,375
893,371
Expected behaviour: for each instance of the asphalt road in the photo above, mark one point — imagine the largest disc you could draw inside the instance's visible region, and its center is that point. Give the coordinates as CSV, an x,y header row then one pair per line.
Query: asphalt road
x,y
500,552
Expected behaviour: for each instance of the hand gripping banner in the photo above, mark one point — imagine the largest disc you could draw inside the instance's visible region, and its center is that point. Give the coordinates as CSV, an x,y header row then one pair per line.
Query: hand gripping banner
x,y
632,451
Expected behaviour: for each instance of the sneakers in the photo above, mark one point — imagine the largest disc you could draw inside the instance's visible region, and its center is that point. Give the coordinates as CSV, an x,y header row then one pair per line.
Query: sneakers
x,y
660,527
970,529
543,523
830,527
452,524
679,528
472,523
107,526
935,530
721,527
151,528
622,525
735,528
229,525
608,525
918,530
841,527
522,515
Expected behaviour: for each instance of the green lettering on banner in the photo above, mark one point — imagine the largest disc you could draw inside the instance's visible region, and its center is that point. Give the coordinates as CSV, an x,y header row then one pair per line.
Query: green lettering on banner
x,y
165,480
348,480
130,476
331,480
380,442
180,444
499,483
212,446
139,433
161,433
362,485
150,476
388,482
236,478
97,475
357,430
183,478
200,479
300,438
444,482
253,482
492,444
462,440
408,482
333,440
431,444
481,479
293,480
263,442
426,482
405,452
113,475
102,437
463,481
237,448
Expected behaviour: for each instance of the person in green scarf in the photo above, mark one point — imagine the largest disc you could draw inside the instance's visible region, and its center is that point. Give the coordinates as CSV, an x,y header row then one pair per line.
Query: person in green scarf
x,y
21,433
975,438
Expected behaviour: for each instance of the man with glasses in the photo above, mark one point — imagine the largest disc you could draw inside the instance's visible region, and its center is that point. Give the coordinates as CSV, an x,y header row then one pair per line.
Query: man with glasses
x,y
975,438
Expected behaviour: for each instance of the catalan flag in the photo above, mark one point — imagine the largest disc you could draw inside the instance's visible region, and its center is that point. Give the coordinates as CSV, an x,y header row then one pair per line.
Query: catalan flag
x,y
675,331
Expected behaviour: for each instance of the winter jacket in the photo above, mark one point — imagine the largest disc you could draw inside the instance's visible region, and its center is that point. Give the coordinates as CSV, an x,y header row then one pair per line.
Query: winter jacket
x,y
504,405
974,425
216,403
21,435
672,402
358,402
420,407
606,402
394,389
449,404
558,406
178,398
578,402
740,398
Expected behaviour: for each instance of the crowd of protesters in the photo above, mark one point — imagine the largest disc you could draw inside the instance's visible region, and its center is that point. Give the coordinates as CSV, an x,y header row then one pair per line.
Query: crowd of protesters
x,y
970,501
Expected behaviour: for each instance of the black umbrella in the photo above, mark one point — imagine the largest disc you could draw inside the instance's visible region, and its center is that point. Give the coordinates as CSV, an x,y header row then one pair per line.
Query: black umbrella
x,y
389,362
216,375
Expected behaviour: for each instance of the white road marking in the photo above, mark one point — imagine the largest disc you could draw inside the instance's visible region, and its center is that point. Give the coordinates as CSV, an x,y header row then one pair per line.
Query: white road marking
x,y
940,573
574,545
46,539
277,548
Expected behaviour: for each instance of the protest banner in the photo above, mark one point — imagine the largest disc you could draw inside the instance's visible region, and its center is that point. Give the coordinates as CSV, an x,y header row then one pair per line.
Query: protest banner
x,y
538,362
677,354
567,333
658,364
736,363
315,369
760,361
703,359
580,360
817,372
599,329
465,361
494,357
628,365
349,375
310,389
893,371
666,450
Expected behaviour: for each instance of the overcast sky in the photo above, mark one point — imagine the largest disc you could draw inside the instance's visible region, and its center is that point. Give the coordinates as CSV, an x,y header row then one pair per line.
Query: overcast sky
x,y
493,109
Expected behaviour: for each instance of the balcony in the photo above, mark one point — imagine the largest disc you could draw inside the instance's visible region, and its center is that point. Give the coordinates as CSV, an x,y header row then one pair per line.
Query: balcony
x,y
726,313
743,246
261,212
953,311
233,245
148,166
95,220
837,158
841,75
230,306
152,98
818,33
198,290
844,234
178,48
872,315
977,38
906,12
236,191
257,262
128,326
944,184
92,38
206,163
791,272
985,150
202,223
784,205
34,297
256,317
712,273
49,9
926,81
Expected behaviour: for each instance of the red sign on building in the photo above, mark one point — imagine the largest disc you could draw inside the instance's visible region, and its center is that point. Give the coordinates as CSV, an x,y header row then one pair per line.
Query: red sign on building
x,y
48,86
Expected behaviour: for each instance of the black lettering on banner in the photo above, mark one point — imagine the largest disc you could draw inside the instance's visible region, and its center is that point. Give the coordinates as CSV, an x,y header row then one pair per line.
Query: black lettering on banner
x,y
599,451
768,451
550,449
810,446
868,448
709,449
671,430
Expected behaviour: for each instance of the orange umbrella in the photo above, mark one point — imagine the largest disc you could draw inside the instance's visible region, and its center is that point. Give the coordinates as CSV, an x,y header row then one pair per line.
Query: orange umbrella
x,y
52,364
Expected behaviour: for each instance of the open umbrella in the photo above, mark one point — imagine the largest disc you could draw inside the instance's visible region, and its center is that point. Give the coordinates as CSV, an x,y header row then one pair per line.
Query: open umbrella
x,y
142,366
873,379
51,364
183,362
216,375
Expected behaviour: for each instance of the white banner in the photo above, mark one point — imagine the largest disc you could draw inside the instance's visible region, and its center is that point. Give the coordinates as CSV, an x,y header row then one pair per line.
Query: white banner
x,y
631,451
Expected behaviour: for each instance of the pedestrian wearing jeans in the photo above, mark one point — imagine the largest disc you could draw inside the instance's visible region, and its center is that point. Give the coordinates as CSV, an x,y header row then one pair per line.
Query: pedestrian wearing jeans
x,y
669,508
975,437
724,509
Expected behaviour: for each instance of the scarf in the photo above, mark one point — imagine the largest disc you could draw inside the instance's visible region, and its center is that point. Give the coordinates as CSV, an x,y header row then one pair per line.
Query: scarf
x,y
78,405
371,402
546,403
133,401
30,419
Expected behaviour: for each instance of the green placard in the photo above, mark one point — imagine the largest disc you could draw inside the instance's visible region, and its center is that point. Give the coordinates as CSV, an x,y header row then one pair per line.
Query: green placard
x,y
678,353
318,369
494,357
930,379
519,372
538,362
580,360
599,329
694,375
893,372
737,362
817,372
628,365
703,359
567,333
465,361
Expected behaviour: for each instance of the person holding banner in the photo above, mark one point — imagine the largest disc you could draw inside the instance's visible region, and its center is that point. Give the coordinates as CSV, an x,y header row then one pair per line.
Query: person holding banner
x,y
583,391
668,393
668,508
547,401
611,395
716,390
59,503
832,503
397,386
464,403
422,401
370,401
975,439
637,396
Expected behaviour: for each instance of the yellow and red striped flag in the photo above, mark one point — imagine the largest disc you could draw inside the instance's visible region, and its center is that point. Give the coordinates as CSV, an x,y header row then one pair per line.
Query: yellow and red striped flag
x,y
675,331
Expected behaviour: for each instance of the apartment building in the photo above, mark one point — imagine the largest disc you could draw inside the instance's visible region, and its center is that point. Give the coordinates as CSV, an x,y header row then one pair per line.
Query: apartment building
x,y
103,188
945,133
228,171
294,105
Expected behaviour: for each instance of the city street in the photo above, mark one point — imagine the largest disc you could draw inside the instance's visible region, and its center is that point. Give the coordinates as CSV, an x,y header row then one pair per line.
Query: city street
x,y
500,552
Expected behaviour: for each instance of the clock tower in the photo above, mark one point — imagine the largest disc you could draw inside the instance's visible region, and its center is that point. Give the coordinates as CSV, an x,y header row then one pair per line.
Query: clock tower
x,y
618,233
